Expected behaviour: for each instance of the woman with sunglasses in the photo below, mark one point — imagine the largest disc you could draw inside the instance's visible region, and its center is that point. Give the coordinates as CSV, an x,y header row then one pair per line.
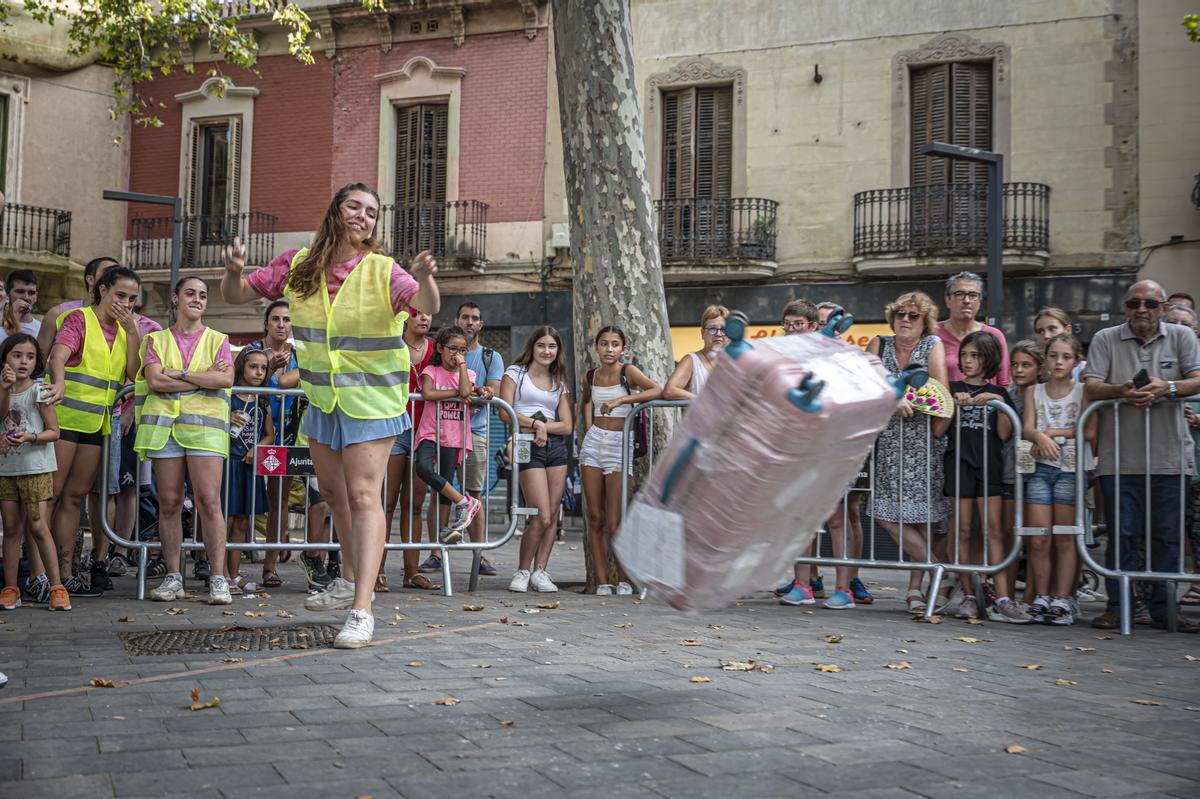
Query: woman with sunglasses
x,y
694,368
964,297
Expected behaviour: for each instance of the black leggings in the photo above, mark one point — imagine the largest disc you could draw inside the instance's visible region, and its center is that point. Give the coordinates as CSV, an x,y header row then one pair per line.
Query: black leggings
x,y
427,453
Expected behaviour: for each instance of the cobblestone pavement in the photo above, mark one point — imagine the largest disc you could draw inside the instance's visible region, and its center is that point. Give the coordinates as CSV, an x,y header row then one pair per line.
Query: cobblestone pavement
x,y
595,697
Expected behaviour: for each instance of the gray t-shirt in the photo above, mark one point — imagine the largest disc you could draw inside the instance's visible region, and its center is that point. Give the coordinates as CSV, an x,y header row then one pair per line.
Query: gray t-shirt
x,y
25,416
1115,356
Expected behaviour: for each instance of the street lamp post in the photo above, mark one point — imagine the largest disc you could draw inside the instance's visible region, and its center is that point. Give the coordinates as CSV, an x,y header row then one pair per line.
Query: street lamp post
x,y
176,204
995,217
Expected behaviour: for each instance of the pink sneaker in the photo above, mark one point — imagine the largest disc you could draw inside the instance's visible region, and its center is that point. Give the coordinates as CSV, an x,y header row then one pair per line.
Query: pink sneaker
x,y
464,514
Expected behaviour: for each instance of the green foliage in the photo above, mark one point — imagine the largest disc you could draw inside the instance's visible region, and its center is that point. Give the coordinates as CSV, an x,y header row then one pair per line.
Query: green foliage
x,y
1192,23
143,38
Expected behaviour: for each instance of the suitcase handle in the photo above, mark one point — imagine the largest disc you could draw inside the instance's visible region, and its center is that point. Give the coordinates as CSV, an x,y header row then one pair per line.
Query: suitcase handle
x,y
735,331
837,324
915,376
678,466
805,397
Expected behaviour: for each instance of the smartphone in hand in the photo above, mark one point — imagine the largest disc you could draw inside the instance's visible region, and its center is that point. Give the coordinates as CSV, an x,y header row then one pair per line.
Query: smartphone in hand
x,y
1141,379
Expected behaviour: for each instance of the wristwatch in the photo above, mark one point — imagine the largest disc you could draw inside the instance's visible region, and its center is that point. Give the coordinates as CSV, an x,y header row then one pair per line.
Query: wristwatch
x,y
1171,389
183,373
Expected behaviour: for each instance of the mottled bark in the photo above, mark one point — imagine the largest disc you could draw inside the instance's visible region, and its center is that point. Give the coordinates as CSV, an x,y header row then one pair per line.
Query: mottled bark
x,y
617,273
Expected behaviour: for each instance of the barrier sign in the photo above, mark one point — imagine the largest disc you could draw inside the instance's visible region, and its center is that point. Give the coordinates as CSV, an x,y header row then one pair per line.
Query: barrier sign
x,y
272,461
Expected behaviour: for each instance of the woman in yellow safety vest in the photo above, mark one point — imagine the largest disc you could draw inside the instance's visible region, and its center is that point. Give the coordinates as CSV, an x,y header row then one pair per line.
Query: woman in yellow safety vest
x,y
183,426
349,301
95,351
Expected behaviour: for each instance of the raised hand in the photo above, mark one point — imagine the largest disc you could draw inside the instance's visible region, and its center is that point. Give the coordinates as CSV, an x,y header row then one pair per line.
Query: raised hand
x,y
235,257
423,265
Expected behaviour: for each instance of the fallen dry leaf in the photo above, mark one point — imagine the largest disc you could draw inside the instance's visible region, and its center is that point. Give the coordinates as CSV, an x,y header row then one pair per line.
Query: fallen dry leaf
x,y
902,651
530,610
908,641
966,639
126,618
1061,681
229,613
1032,666
263,596
833,638
904,664
738,665
549,605
975,621
231,660
624,625
520,624
483,665
828,668
716,626
198,705
252,614
276,641
415,663
1015,749
1107,671
500,679
283,614
446,700
507,722
434,626
1192,658
700,679
1148,702
176,611
689,642
472,608
1068,648
100,682
960,670
264,604
935,619
1104,637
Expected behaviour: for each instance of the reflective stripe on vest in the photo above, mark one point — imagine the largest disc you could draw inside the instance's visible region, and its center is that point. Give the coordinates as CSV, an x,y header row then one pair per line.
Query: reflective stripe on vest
x,y
196,419
90,387
351,350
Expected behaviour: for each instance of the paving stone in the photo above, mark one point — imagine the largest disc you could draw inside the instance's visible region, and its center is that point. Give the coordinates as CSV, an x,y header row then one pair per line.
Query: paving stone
x,y
77,786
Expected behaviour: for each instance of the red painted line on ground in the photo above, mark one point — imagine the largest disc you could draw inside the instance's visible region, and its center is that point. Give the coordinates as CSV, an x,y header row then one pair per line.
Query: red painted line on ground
x,y
245,664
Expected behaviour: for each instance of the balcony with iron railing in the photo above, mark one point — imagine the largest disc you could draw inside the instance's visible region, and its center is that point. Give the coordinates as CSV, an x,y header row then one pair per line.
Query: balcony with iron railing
x,y
35,229
454,231
944,226
204,239
716,236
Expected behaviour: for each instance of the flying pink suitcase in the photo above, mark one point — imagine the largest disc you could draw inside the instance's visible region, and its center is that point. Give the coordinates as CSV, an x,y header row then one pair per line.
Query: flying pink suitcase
x,y
756,465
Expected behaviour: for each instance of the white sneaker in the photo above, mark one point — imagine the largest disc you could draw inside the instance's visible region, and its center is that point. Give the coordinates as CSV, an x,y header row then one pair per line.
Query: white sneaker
x,y
1088,595
624,589
170,589
520,581
218,591
541,582
952,602
604,590
338,595
357,632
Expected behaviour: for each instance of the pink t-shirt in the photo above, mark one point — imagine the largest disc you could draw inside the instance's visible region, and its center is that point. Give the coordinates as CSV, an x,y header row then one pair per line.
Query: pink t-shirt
x,y
952,344
271,280
455,415
187,347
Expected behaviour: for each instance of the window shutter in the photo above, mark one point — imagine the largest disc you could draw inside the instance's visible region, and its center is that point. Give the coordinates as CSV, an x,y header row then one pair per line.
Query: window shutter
x,y
407,141
422,133
929,89
438,116
233,208
194,179
971,126
686,138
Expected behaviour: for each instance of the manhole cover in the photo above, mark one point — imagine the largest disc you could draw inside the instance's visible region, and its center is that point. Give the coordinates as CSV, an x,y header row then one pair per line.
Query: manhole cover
x,y
233,638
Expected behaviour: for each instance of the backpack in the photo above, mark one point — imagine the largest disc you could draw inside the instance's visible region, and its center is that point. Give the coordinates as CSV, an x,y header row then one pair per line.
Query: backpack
x,y
641,430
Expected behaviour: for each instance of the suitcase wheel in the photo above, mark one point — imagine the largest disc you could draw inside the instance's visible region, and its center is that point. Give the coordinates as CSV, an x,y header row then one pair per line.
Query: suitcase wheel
x,y
735,330
913,377
805,396
837,324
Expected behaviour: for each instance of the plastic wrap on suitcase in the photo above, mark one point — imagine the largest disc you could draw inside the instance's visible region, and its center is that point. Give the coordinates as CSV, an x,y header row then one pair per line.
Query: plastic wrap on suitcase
x,y
755,466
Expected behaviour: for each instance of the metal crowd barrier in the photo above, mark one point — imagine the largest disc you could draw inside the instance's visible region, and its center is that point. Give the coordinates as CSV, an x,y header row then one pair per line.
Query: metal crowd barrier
x,y
514,512
1123,577
938,568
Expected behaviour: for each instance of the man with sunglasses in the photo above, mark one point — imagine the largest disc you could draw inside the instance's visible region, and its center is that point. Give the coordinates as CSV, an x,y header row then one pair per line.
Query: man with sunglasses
x,y
1149,364
964,296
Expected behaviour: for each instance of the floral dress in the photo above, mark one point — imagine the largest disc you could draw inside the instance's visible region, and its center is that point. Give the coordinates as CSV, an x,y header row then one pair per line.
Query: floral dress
x,y
908,463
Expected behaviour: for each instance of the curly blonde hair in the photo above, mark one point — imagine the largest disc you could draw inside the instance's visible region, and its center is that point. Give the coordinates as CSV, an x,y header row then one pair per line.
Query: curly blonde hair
x,y
305,278
920,300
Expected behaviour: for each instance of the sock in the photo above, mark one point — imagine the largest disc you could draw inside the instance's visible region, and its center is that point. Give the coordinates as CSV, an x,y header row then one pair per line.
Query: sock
x,y
1002,600
462,503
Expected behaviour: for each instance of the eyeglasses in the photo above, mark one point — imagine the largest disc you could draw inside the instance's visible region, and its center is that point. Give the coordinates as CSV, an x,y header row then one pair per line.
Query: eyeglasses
x,y
1149,305
799,324
713,330
457,350
911,315
969,296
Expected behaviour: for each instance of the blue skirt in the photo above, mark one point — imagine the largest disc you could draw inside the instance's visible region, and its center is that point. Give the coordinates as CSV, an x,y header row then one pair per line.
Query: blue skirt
x,y
241,487
337,430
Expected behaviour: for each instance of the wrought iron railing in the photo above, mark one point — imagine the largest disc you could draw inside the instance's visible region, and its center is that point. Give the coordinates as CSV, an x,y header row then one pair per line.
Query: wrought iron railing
x,y
204,239
30,227
948,219
725,228
455,230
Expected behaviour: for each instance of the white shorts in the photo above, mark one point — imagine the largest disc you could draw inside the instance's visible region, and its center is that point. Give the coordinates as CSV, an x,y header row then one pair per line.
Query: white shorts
x,y
602,449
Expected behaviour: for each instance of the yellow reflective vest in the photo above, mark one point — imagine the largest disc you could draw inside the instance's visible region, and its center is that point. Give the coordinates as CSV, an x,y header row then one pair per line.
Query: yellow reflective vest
x,y
351,351
92,384
197,419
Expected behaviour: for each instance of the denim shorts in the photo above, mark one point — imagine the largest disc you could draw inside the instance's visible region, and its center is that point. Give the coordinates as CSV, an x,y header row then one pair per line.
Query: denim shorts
x,y
403,445
173,449
549,456
337,430
1050,485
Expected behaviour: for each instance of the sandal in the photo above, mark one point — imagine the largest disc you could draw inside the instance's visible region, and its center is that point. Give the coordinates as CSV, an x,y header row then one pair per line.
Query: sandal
x,y
421,583
1192,597
381,584
238,584
271,580
915,600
